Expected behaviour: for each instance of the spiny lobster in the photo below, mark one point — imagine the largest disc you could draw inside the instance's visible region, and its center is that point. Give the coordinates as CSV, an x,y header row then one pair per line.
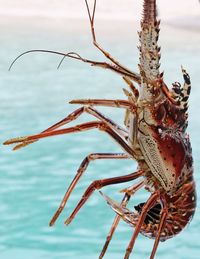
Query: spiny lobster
x,y
155,136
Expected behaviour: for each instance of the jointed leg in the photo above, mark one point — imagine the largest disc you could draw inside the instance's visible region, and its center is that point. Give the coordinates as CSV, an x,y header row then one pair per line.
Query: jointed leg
x,y
74,115
113,227
148,205
78,128
80,171
121,131
129,192
163,215
131,86
106,54
128,105
98,184
107,103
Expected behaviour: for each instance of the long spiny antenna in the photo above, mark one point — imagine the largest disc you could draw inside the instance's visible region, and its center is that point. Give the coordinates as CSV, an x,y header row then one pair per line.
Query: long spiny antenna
x,y
149,11
76,56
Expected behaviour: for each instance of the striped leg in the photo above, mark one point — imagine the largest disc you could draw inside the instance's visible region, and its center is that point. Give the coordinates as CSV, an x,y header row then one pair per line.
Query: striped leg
x,y
185,90
80,172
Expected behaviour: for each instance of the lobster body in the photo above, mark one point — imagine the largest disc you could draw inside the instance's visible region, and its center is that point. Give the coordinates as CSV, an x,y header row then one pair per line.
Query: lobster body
x,y
161,139
156,120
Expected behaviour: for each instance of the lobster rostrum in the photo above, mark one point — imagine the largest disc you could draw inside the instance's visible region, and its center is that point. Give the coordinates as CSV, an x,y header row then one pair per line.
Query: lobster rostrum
x,y
156,120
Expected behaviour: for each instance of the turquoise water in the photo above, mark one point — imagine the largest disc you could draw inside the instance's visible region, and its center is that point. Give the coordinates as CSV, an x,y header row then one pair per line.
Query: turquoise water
x,y
33,180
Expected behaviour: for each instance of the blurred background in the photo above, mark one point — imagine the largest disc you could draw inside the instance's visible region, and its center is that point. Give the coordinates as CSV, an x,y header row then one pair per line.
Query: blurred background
x,y
34,95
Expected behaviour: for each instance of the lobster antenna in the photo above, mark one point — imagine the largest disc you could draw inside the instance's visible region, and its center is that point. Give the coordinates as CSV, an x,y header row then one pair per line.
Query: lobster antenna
x,y
60,62
73,55
94,9
35,50
149,11
91,18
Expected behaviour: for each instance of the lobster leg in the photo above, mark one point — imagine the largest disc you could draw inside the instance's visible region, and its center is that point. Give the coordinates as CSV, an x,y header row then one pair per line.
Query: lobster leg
x,y
131,86
98,184
113,227
78,128
105,53
74,115
164,212
129,191
150,202
107,103
80,171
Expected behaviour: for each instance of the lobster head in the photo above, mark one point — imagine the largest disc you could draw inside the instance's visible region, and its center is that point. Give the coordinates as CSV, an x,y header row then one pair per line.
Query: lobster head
x,y
163,141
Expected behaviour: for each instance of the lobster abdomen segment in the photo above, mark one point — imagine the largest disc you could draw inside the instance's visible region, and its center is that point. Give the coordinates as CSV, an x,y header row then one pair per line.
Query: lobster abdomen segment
x,y
181,209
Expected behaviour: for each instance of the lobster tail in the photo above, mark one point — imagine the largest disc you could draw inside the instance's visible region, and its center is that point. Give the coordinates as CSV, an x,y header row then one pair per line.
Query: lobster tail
x,y
149,11
180,206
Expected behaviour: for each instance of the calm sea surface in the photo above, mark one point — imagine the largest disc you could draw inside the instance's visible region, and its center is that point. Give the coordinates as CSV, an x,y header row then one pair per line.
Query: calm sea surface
x,y
34,95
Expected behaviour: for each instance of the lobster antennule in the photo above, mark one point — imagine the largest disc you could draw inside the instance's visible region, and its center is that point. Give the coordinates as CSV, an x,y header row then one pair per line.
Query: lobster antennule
x,y
149,11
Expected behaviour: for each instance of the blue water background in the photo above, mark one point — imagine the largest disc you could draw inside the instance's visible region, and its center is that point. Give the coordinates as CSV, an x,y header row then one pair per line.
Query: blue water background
x,y
34,95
